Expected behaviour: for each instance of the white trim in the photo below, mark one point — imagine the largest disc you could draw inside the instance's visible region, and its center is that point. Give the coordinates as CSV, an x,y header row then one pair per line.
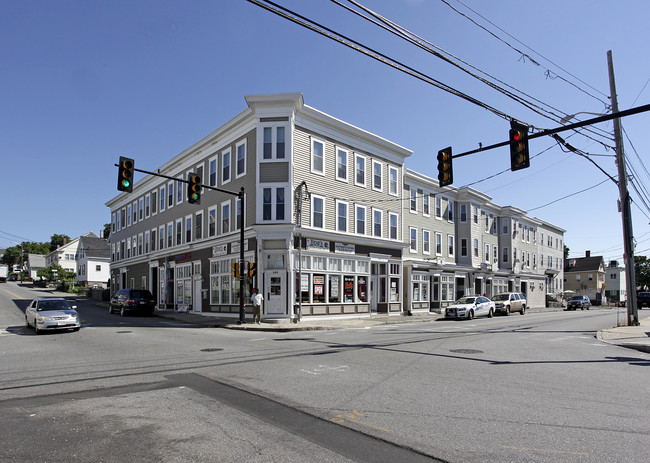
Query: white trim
x,y
337,150
312,156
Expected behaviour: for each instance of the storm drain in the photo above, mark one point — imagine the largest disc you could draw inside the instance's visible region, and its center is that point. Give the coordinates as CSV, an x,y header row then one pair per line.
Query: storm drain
x,y
122,332
212,349
466,351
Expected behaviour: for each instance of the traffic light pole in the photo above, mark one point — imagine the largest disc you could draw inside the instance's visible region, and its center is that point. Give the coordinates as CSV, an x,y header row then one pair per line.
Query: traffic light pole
x,y
240,195
626,213
543,133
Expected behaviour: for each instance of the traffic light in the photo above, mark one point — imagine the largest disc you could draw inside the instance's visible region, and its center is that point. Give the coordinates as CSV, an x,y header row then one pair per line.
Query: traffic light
x,y
125,174
193,189
518,135
252,270
234,270
445,170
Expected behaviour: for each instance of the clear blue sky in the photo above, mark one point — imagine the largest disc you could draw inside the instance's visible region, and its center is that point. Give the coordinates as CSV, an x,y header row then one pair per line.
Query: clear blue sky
x,y
83,82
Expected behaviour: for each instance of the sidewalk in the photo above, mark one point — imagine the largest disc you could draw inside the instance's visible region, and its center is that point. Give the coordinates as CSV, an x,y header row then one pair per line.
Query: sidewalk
x,y
632,337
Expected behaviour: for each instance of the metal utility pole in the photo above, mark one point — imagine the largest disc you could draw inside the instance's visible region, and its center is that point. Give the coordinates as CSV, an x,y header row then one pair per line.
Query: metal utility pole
x,y
242,313
626,213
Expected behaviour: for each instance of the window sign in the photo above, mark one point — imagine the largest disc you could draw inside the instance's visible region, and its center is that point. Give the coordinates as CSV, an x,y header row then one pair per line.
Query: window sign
x,y
348,288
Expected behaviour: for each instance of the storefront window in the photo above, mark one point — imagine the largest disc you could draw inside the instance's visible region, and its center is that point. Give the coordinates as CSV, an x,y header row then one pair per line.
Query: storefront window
x,y
394,290
334,288
348,288
304,288
362,288
319,288
225,289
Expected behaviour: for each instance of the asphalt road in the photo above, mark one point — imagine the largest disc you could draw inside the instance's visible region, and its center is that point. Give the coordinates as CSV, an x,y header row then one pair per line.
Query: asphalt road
x,y
532,388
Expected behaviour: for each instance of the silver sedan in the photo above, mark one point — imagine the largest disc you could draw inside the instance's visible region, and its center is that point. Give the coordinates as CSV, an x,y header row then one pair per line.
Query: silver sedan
x,y
51,313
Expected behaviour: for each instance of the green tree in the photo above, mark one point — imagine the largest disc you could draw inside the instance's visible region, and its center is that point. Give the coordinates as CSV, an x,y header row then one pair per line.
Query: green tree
x,y
642,271
107,231
566,252
57,240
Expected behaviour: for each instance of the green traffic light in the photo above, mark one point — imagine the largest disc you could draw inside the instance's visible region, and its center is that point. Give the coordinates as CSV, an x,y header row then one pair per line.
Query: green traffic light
x,y
126,183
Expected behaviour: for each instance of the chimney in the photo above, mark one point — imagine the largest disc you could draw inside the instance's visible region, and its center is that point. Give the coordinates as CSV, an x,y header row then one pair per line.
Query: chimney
x,y
587,253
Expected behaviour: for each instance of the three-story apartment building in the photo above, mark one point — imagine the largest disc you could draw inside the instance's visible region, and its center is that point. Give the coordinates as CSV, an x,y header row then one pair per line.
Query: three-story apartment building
x,y
322,217
334,223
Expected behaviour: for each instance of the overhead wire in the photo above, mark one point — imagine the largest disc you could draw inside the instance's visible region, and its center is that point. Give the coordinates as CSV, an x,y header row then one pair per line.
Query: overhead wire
x,y
567,196
357,46
440,53
525,55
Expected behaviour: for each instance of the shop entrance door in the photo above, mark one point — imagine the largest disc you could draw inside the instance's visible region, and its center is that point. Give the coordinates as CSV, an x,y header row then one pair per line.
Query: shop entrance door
x,y
274,287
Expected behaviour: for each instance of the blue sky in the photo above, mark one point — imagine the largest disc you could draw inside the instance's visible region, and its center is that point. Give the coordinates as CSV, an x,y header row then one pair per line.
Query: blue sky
x,y
83,82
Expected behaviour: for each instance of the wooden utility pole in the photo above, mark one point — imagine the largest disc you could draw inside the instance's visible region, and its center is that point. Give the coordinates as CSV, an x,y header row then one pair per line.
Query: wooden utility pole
x,y
626,213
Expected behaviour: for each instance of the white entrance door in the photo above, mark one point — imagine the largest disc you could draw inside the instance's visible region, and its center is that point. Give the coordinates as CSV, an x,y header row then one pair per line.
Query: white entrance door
x,y
374,286
274,289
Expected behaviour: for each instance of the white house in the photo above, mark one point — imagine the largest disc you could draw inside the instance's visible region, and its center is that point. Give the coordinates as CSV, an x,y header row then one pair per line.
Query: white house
x,y
93,259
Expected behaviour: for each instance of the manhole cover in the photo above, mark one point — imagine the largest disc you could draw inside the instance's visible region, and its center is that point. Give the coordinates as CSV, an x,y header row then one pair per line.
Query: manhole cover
x,y
466,351
211,349
122,332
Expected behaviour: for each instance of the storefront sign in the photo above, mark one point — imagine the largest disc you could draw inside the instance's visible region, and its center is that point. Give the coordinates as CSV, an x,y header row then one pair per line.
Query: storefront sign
x,y
342,248
220,250
179,259
318,245
304,282
235,247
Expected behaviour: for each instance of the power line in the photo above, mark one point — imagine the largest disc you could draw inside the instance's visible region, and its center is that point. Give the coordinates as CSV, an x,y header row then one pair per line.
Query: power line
x,y
567,196
429,47
524,55
350,43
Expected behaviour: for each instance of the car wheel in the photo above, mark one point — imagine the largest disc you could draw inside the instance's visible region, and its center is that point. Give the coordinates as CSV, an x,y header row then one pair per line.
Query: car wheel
x,y
122,312
490,314
75,329
507,311
523,310
27,325
470,314
110,308
36,330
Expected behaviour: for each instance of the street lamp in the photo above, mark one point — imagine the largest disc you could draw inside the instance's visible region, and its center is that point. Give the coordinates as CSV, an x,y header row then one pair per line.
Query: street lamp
x,y
567,118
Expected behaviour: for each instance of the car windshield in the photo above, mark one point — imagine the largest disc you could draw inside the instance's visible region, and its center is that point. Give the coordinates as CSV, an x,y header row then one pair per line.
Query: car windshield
x,y
501,297
576,298
466,300
53,305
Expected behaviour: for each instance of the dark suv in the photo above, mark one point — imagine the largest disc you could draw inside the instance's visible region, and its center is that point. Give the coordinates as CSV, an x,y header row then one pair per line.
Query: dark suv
x,y
643,299
578,302
132,300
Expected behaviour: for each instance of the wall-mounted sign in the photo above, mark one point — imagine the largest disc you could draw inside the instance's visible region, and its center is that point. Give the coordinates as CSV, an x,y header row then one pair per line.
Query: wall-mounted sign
x,y
234,247
186,257
318,245
220,250
342,248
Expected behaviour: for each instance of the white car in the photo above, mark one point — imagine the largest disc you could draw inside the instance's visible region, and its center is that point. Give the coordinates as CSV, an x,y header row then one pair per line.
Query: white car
x,y
51,313
469,307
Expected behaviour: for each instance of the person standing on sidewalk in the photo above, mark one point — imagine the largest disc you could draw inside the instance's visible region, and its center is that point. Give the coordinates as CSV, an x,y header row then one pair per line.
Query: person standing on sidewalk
x,y
256,300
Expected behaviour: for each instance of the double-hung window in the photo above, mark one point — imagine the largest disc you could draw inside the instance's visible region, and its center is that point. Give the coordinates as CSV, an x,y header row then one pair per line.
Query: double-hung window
x,y
225,166
377,170
341,216
438,244
450,245
426,242
360,220
273,143
241,159
341,164
225,216
273,201
438,207
212,222
317,211
212,172
360,170
413,232
393,224
414,202
425,204
392,181
377,220
317,156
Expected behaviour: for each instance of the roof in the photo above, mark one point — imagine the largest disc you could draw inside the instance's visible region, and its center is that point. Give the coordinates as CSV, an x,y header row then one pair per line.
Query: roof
x,y
95,247
583,264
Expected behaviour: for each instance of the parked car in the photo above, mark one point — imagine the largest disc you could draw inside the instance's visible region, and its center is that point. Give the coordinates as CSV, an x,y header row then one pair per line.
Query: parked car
x,y
132,300
510,302
469,307
51,313
643,299
578,302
